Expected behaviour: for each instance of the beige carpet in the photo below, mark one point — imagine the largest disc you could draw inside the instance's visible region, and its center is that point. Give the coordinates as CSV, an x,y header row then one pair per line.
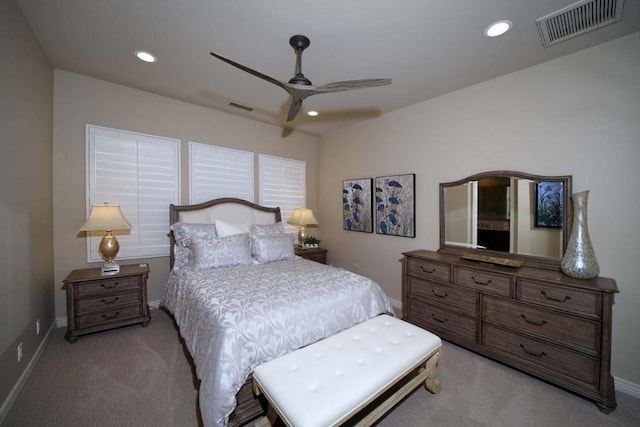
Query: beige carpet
x,y
136,376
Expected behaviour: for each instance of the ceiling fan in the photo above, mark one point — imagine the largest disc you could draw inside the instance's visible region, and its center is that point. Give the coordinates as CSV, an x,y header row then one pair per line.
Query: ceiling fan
x,y
300,87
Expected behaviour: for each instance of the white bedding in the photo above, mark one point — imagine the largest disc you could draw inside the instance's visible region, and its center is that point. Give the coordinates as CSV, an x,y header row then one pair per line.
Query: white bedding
x,y
236,318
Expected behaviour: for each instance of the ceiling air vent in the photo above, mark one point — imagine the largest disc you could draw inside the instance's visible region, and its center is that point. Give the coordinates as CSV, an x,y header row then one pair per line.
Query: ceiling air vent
x,y
578,18
242,107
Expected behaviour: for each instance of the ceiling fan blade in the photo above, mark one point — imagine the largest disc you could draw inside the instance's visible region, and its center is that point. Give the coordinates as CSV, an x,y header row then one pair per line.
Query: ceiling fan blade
x,y
253,72
294,108
349,85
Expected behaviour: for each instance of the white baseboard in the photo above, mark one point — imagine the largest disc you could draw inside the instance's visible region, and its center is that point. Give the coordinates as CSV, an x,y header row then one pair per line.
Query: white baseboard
x,y
397,306
15,391
627,387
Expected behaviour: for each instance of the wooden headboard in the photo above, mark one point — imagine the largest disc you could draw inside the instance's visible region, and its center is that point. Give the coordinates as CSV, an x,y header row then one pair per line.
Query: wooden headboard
x,y
228,209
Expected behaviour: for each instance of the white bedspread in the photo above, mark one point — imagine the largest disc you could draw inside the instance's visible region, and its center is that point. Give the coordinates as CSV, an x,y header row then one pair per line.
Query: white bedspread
x,y
234,319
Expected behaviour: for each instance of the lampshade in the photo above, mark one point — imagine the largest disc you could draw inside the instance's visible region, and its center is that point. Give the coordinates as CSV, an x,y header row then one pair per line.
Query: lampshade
x,y
107,218
302,216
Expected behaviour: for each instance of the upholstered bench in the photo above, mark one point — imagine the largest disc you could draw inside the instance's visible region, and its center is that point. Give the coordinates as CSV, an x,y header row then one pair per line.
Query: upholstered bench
x,y
328,382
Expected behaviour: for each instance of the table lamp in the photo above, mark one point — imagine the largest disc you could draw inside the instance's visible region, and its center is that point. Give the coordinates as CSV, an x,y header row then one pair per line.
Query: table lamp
x,y
107,218
301,218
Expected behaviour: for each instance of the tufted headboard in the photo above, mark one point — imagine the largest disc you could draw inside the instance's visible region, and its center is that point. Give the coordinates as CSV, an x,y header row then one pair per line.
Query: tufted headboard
x,y
230,210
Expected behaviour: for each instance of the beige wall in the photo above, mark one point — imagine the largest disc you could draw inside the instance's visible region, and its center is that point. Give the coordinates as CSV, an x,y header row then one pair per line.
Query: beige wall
x,y
81,100
26,251
578,115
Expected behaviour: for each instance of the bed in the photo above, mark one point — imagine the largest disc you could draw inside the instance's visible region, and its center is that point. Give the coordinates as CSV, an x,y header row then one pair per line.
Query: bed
x,y
236,313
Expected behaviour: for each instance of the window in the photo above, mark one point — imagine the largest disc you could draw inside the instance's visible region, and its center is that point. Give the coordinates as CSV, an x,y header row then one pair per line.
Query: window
x,y
141,174
219,172
282,183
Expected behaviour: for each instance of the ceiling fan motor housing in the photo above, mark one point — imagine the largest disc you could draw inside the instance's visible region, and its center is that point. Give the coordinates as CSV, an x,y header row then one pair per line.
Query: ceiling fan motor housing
x,y
299,43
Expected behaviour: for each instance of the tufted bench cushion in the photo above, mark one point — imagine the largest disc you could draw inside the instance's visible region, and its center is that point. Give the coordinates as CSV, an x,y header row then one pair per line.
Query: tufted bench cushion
x,y
326,383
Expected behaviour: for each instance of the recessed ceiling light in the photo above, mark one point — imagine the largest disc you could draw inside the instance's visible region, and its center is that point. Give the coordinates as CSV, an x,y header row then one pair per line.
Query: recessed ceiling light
x,y
145,56
312,113
498,28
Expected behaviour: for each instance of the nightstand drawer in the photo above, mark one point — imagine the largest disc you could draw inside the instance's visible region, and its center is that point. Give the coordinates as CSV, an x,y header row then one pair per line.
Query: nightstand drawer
x,y
107,302
115,284
115,315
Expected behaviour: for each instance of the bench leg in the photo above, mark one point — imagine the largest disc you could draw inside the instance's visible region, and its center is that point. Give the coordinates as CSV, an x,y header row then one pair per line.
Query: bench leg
x,y
431,383
426,374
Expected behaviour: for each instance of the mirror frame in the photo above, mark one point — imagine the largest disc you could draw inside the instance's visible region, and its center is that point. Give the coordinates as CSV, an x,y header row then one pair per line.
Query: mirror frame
x,y
528,260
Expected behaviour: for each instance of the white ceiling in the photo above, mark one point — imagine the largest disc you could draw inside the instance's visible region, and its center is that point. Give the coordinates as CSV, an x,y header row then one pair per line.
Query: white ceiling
x,y
427,47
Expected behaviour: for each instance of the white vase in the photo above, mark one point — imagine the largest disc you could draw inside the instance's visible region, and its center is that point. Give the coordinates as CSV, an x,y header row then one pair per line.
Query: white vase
x,y
579,259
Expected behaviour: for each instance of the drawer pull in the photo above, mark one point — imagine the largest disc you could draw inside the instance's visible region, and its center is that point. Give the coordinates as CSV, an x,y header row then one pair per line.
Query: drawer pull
x,y
531,353
424,270
443,295
540,323
439,320
488,282
109,285
104,301
114,315
567,298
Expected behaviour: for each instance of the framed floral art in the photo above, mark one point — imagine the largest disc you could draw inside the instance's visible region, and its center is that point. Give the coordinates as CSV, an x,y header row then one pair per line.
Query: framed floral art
x,y
357,205
395,205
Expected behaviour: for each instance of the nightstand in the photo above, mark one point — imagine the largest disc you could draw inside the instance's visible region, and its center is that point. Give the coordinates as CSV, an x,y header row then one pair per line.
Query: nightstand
x,y
97,302
313,254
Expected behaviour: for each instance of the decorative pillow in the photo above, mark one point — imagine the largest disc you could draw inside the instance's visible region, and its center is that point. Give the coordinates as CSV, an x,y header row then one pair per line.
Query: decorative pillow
x,y
181,256
224,252
183,232
225,229
267,229
274,247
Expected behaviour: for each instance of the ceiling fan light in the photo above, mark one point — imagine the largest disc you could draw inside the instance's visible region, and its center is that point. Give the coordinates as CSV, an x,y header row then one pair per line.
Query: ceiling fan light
x,y
498,28
145,56
312,113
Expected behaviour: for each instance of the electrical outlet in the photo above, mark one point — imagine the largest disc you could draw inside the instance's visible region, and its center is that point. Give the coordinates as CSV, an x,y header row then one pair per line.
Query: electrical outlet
x,y
19,352
38,327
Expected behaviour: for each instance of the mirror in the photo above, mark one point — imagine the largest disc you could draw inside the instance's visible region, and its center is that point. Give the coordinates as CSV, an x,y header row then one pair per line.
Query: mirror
x,y
507,214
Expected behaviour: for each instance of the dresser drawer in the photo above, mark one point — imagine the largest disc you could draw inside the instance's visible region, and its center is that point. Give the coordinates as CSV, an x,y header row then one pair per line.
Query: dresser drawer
x,y
447,324
107,302
483,281
581,334
562,298
561,361
438,293
429,270
106,285
114,315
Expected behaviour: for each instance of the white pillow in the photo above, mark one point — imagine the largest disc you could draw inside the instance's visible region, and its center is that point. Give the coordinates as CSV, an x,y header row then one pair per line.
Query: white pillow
x,y
224,252
225,229
274,247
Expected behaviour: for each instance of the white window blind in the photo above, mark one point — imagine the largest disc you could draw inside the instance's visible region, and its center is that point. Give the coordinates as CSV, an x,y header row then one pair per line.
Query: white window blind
x,y
282,183
219,172
141,174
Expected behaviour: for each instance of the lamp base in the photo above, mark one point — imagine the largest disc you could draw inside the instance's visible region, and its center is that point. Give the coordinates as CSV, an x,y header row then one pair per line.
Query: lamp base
x,y
110,268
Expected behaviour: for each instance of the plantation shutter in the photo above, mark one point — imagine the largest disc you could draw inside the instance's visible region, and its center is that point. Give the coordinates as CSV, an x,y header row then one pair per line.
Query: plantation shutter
x,y
282,183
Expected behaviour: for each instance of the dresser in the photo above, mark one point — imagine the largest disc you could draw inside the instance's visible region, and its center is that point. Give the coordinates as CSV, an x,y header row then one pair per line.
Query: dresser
x,y
97,302
539,321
